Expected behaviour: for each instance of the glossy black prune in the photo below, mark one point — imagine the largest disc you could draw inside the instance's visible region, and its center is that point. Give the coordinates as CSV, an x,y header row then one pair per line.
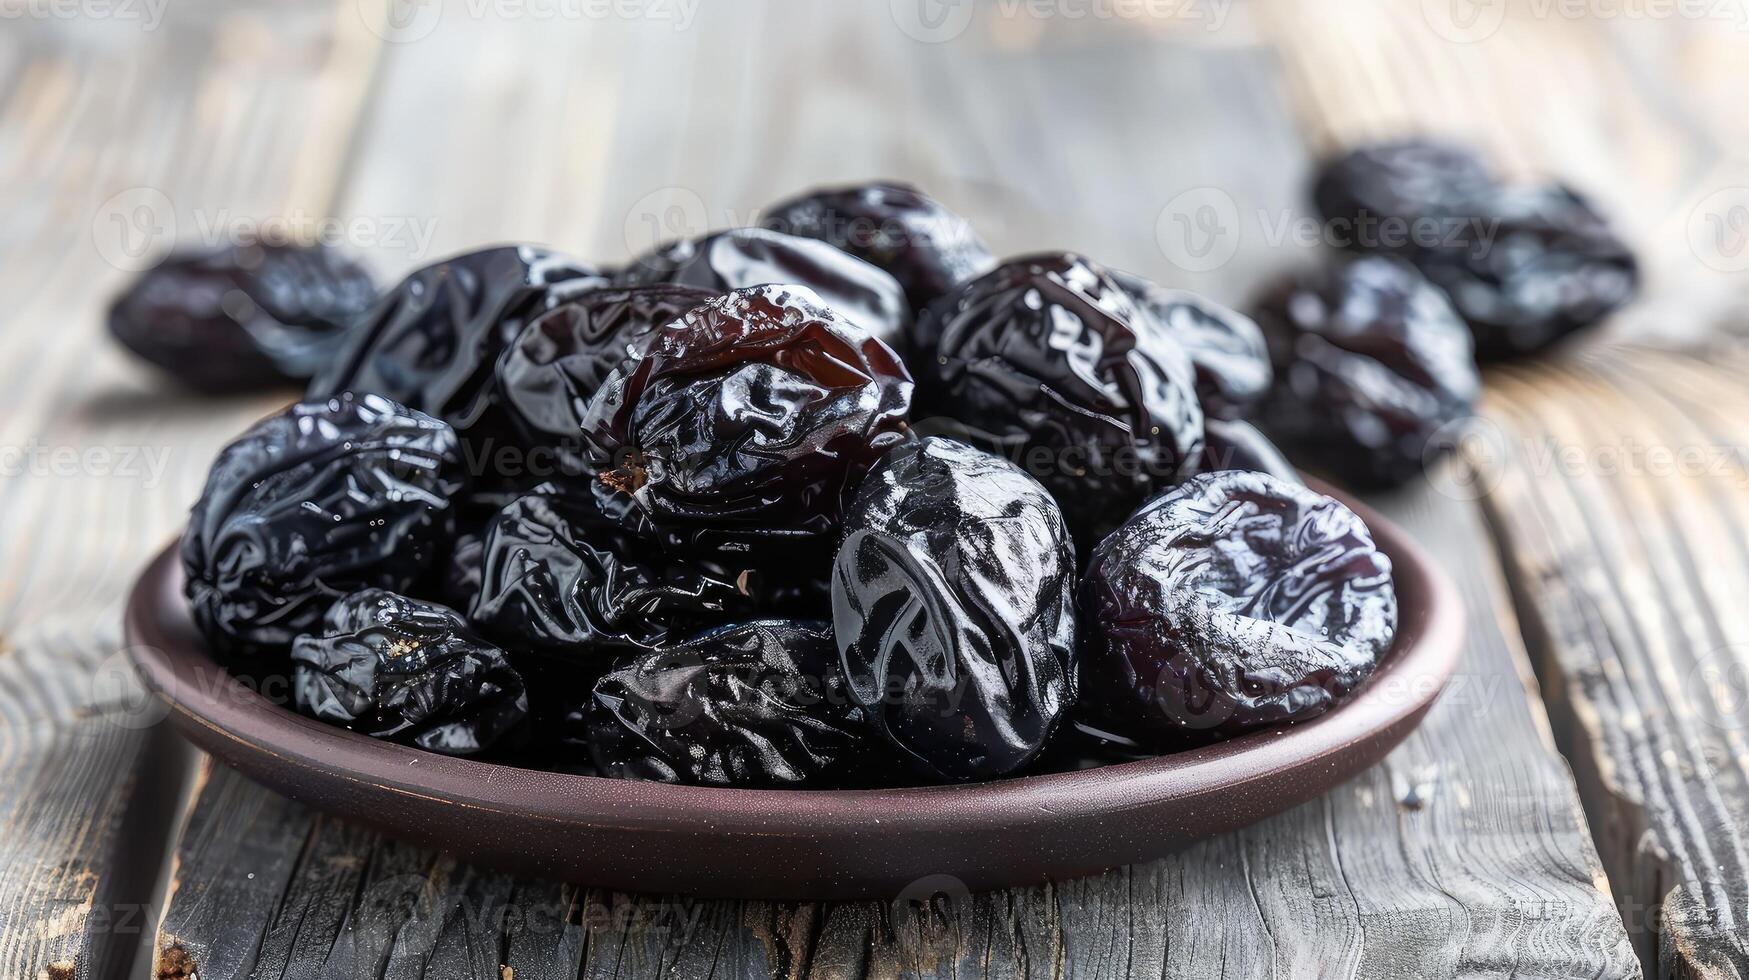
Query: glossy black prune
x,y
755,704
1370,363
740,258
432,341
894,227
558,576
1225,347
1053,362
321,500
408,671
953,604
1229,444
1232,602
242,317
1524,264
741,425
552,369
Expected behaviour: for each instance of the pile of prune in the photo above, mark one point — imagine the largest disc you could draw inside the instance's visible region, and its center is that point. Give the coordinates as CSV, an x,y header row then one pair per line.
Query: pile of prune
x,y
808,505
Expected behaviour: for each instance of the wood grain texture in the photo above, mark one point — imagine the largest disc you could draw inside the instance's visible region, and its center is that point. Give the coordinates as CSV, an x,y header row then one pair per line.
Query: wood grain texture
x,y
1620,490
120,135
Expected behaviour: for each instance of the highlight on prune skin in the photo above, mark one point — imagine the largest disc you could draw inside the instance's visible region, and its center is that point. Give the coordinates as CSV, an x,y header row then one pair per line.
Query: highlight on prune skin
x,y
552,369
1370,363
242,317
738,427
1235,445
321,500
953,605
1225,346
740,258
431,342
1053,363
1231,603
556,575
894,227
407,671
754,704
1524,264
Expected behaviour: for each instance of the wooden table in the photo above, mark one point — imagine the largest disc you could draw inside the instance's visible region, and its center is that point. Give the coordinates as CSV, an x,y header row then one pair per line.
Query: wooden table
x,y
1574,807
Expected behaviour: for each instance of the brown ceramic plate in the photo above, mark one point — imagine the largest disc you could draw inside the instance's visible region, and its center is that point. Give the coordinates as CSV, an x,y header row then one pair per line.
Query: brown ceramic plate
x,y
798,843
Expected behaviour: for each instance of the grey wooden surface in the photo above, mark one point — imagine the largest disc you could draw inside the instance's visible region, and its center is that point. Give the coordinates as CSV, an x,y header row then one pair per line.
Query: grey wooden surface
x,y
1466,853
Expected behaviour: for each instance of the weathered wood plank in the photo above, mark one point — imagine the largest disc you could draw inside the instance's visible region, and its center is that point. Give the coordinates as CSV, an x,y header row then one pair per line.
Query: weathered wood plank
x,y
1620,492
188,120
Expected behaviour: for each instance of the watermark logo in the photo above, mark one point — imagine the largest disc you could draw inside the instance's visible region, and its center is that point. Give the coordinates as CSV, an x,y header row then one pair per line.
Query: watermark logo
x,y
1718,230
1464,21
1718,687
126,702
933,21
664,215
1198,230
1478,449
133,227
401,21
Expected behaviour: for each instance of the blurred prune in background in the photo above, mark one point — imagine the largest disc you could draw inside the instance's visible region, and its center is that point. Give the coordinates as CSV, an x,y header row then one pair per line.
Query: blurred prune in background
x,y
319,501
242,317
952,599
1370,363
894,227
1232,602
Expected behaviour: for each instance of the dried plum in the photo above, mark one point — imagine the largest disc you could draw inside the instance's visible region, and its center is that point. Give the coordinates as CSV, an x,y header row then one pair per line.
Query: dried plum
x,y
894,227
953,604
1524,264
743,423
1052,362
1234,445
408,671
559,361
1226,347
432,341
1232,602
319,501
558,576
242,317
726,261
1370,362
755,704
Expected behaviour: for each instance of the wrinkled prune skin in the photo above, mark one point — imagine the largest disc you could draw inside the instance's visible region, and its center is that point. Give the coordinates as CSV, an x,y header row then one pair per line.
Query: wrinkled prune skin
x,y
1370,363
1524,264
552,369
558,576
1232,602
756,704
894,227
1234,445
953,605
1225,347
408,671
431,342
459,574
242,317
740,426
1054,363
739,258
319,501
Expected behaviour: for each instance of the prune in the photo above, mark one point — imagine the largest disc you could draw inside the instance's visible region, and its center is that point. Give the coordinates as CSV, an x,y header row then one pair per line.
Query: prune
x,y
894,227
242,317
408,671
726,261
558,576
432,341
742,424
459,574
1052,361
953,604
1370,362
1524,264
1225,347
1234,445
319,501
756,704
1232,602
556,364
